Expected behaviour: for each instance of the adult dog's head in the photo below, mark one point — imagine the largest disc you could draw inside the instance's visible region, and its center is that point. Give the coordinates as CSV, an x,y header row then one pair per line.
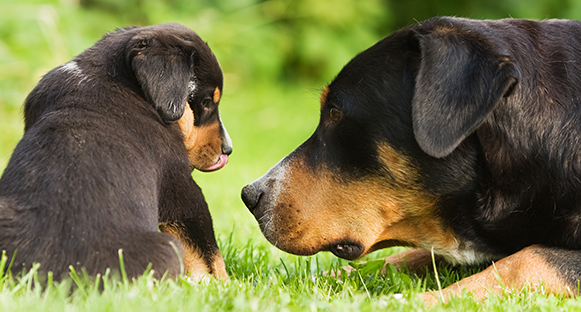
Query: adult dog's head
x,y
392,144
174,70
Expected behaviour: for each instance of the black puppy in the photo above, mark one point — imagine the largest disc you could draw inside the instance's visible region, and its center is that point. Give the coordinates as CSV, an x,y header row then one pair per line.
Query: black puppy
x,y
453,135
103,162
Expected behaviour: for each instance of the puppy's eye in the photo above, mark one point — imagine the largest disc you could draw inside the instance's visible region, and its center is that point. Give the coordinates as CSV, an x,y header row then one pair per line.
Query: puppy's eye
x,y
207,102
335,114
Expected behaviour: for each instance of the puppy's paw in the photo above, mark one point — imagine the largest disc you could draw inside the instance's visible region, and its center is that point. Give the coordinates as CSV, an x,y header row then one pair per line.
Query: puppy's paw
x,y
201,278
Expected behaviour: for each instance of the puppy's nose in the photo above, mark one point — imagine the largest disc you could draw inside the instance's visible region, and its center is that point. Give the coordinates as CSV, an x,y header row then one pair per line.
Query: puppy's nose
x,y
226,140
226,149
251,196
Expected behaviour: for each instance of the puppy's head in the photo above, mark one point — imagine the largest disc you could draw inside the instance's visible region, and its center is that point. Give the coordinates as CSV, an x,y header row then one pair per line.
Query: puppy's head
x,y
182,79
392,148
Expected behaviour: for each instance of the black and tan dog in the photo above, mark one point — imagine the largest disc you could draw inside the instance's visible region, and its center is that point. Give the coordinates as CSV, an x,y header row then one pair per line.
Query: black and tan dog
x,y
102,162
459,135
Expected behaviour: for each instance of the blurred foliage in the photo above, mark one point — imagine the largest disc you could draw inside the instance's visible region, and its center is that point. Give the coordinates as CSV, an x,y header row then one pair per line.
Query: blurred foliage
x,y
283,41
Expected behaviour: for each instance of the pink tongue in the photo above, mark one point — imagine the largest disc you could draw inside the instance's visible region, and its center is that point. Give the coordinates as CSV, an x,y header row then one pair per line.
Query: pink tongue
x,y
221,163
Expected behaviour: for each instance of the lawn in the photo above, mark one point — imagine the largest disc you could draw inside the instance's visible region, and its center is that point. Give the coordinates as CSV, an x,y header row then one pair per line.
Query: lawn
x,y
266,118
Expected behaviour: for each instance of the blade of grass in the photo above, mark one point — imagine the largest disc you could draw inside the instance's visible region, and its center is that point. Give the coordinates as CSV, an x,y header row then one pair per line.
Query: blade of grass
x,y
437,276
122,268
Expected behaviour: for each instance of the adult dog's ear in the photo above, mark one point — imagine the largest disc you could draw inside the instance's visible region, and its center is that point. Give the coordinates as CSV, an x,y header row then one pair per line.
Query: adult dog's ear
x,y
462,76
164,74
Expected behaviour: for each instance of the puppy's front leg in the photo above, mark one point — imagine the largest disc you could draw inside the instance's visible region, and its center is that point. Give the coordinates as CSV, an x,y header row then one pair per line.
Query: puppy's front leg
x,y
184,214
196,258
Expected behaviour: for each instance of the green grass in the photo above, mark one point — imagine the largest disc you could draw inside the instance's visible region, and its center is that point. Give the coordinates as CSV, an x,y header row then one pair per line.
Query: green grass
x,y
261,280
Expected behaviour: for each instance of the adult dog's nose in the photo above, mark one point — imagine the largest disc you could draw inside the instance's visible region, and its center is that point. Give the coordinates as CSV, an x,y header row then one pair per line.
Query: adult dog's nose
x,y
251,196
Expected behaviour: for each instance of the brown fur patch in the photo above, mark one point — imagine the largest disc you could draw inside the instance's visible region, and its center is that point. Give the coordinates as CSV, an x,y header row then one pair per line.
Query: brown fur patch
x,y
370,211
398,165
207,146
218,268
217,95
186,123
323,97
194,263
204,143
446,29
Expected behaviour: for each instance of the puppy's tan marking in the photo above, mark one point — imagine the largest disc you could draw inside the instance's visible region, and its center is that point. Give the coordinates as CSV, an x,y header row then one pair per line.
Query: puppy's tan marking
x,y
204,143
194,263
217,95
186,123
218,268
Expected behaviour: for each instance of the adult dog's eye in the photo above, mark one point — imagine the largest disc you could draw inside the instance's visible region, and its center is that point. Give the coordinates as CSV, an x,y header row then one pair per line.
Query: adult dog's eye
x,y
335,114
142,44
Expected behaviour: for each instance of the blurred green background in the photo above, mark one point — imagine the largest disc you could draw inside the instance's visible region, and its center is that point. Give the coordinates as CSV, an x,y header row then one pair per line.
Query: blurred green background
x,y
276,55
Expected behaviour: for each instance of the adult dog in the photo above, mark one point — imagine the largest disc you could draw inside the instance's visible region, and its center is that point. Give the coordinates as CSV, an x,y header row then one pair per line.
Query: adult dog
x,y
110,139
457,135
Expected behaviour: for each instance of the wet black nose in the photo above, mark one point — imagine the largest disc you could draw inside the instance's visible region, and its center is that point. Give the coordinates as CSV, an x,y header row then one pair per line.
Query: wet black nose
x,y
347,251
227,150
251,196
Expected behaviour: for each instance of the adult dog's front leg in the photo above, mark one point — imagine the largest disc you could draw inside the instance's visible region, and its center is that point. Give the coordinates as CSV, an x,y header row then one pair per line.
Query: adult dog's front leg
x,y
556,270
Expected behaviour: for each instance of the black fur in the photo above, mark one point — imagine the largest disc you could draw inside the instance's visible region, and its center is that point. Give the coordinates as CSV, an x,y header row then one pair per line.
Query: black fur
x,y
101,162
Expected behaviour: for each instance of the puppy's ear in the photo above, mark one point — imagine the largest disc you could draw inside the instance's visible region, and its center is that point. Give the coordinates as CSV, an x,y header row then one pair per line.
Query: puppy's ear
x,y
461,78
164,74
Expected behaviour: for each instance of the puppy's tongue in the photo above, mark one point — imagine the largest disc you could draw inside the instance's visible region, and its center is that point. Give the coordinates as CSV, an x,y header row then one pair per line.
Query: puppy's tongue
x,y
221,163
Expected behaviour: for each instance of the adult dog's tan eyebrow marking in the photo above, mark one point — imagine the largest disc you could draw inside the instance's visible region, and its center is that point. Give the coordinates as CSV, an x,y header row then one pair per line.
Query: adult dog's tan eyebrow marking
x,y
323,97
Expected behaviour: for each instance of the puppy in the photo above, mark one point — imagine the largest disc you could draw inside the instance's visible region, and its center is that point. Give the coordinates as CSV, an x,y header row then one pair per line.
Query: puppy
x,y
110,140
453,135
